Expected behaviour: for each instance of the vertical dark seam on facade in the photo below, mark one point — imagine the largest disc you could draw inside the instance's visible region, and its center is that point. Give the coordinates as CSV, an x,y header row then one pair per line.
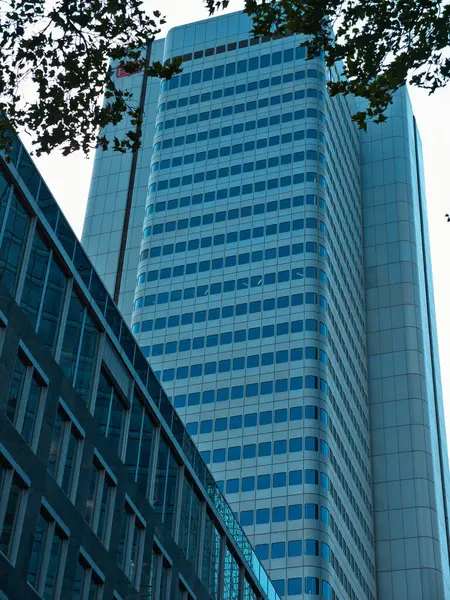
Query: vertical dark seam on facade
x,y
430,336
135,153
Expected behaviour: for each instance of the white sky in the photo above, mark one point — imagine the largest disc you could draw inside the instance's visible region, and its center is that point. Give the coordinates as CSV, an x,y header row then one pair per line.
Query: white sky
x,y
69,177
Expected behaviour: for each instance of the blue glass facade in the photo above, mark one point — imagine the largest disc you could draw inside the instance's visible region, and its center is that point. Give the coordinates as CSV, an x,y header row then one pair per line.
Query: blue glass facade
x,y
255,299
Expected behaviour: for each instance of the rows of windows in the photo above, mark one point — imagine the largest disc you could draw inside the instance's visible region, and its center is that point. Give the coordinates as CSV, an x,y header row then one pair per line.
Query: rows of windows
x,y
252,125
251,390
252,361
237,109
308,585
241,259
273,59
264,449
293,549
242,147
204,266
232,46
274,480
243,211
234,236
236,337
227,312
251,86
355,309
243,283
281,514
266,417
249,167
237,190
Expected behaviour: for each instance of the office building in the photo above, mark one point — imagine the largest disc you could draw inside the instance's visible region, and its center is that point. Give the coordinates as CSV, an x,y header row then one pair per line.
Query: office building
x,y
283,296
103,494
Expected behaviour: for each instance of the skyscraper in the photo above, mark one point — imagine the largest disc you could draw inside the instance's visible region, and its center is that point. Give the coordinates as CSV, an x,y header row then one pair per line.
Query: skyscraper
x,y
283,297
102,492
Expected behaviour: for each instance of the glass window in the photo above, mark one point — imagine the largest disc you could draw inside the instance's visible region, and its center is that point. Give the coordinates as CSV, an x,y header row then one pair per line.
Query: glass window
x,y
278,514
131,544
278,550
294,586
46,569
295,477
13,497
110,412
64,459
263,482
248,484
165,483
249,451
279,480
262,551
24,405
12,242
246,517
295,548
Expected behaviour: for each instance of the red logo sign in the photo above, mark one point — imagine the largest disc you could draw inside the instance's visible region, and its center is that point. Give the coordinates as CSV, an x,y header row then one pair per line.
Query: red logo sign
x,y
122,72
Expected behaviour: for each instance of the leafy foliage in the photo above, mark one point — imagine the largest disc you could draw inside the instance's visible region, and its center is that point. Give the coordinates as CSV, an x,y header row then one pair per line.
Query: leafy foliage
x,y
55,58
55,69
383,43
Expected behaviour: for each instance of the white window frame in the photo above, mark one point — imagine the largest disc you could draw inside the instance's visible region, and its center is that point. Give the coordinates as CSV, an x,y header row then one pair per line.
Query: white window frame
x,y
136,525
91,570
53,522
12,468
32,368
105,477
70,426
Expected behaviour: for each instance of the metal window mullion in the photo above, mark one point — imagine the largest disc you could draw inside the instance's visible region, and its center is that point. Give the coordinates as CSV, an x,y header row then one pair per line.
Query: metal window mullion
x,y
46,556
76,465
96,371
221,570
63,319
6,489
61,567
130,533
140,532
80,343
153,465
39,417
159,568
25,259
201,536
5,218
109,513
86,583
241,582
125,427
178,503
24,397
18,524
98,498
108,420
63,452
44,290
166,484
141,435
